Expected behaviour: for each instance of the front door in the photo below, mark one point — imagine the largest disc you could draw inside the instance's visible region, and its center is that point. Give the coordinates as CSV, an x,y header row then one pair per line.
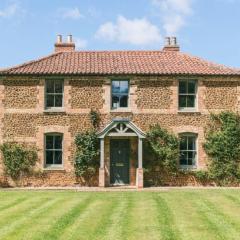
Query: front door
x,y
119,160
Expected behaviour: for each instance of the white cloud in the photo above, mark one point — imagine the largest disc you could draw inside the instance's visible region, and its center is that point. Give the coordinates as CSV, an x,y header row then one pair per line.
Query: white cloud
x,y
10,10
80,43
72,13
138,31
174,14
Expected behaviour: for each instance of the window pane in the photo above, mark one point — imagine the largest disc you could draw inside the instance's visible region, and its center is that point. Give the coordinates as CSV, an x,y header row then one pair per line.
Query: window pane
x,y
182,101
58,86
191,101
123,101
50,101
58,157
190,154
115,86
58,100
183,87
190,162
191,86
183,158
58,142
183,143
49,142
50,86
123,86
191,143
115,101
49,157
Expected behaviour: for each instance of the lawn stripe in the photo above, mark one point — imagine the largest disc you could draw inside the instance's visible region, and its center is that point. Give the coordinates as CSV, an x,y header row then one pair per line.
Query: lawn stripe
x,y
220,223
186,216
88,216
44,219
66,219
12,204
168,228
143,222
102,225
7,216
114,230
91,222
15,226
233,199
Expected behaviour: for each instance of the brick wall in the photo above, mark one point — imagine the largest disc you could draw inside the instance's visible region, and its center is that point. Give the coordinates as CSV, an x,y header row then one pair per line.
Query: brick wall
x,y
152,100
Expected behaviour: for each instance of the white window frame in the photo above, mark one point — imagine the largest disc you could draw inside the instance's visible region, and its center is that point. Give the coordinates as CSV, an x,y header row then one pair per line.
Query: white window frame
x,y
46,94
45,150
188,109
128,101
194,166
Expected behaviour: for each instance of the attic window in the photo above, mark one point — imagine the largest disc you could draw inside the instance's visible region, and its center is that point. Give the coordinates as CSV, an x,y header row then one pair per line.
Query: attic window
x,y
54,93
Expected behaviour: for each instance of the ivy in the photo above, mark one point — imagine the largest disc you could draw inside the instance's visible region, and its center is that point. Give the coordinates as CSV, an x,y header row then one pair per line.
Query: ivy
x,y
164,147
87,155
223,147
95,118
18,160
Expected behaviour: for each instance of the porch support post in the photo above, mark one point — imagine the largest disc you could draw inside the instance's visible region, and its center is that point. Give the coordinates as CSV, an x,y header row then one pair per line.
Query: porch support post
x,y
101,169
139,176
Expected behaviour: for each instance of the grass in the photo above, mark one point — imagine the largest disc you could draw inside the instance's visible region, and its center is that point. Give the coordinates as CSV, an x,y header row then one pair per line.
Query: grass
x,y
175,214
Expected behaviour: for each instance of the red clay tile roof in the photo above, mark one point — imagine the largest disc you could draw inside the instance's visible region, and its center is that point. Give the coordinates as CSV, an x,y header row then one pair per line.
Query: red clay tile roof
x,y
120,62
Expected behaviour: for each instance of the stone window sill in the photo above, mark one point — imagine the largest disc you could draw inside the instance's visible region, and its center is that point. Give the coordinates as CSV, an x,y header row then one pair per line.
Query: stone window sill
x,y
188,111
124,110
188,168
54,110
53,169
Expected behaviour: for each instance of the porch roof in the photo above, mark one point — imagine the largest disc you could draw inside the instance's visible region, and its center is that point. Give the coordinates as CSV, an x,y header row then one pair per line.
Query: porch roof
x,y
128,125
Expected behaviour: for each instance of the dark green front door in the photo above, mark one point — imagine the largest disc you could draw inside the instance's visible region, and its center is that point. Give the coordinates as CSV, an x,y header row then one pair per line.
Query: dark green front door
x,y
119,161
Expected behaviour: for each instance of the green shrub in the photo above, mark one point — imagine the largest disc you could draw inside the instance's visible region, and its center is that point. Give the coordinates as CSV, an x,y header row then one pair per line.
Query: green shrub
x,y
164,147
201,175
18,160
87,155
223,147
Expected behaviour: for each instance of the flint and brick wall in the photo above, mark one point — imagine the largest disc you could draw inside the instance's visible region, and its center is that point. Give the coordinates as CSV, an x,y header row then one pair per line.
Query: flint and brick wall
x,y
152,100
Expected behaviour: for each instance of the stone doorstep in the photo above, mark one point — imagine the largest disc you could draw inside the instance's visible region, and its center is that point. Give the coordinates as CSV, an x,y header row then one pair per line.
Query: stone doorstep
x,y
113,189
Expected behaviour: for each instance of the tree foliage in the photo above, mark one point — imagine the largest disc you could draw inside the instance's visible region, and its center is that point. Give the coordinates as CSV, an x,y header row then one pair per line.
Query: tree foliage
x,y
18,160
223,147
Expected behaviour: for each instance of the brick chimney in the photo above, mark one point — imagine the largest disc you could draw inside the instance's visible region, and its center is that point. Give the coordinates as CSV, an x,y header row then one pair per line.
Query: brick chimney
x,y
171,44
68,46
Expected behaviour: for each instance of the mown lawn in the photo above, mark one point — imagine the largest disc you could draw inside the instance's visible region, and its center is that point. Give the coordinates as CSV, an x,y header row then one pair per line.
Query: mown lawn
x,y
174,214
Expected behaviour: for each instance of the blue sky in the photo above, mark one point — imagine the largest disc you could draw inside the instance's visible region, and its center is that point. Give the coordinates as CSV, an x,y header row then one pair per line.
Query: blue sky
x,y
205,28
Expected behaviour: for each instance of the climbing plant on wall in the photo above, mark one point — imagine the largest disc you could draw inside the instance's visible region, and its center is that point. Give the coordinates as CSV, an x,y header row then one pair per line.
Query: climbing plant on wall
x,y
86,162
18,160
164,147
223,147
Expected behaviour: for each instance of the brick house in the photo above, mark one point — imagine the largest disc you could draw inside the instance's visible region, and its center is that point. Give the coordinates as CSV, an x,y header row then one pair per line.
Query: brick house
x,y
47,101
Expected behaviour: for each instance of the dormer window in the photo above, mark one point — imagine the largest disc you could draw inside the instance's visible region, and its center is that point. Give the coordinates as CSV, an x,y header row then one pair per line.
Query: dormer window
x,y
120,92
54,93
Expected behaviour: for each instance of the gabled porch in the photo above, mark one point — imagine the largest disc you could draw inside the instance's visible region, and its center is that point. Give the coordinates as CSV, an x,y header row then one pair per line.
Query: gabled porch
x,y
121,154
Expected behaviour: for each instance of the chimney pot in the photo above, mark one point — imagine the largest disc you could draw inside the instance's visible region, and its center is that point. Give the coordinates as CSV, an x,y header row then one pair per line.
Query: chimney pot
x,y
69,38
68,46
171,44
173,41
167,41
59,38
